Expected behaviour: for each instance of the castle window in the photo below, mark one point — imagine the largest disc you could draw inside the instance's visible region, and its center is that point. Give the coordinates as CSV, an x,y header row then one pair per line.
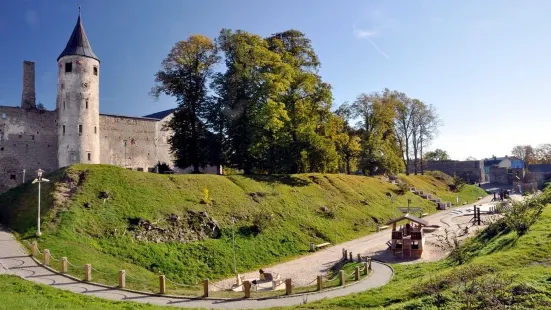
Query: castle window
x,y
63,105
95,129
12,176
68,67
87,103
1,148
63,129
95,70
140,169
79,129
3,115
89,156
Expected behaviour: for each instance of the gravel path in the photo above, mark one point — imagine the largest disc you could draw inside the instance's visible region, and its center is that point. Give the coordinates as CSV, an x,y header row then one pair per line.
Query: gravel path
x,y
14,260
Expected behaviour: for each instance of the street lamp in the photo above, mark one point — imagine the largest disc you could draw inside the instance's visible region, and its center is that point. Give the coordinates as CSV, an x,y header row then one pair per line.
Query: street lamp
x,y
409,202
233,239
39,180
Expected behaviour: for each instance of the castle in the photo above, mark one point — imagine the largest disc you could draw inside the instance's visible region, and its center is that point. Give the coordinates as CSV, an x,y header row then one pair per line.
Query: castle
x,y
76,132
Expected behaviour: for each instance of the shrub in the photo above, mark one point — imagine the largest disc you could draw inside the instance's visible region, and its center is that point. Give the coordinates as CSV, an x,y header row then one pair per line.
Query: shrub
x,y
524,214
206,198
458,183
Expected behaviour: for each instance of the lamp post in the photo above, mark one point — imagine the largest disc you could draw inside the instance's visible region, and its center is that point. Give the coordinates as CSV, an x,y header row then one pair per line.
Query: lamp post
x,y
39,180
233,240
409,202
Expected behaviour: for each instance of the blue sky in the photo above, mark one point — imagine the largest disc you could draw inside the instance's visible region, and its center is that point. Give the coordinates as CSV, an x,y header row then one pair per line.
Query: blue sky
x,y
483,64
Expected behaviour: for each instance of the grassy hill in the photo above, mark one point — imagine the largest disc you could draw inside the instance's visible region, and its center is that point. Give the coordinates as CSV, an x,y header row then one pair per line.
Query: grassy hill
x,y
92,214
501,270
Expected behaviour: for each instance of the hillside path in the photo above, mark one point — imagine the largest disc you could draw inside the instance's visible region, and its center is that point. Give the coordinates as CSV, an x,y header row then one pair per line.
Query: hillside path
x,y
305,268
14,260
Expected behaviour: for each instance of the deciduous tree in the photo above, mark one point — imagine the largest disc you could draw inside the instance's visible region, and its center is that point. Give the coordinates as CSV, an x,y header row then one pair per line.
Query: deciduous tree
x,y
185,74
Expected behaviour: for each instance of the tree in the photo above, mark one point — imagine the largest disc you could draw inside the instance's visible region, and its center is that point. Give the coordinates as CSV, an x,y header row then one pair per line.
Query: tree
x,y
249,92
425,128
380,152
524,152
437,155
543,154
184,74
351,148
406,111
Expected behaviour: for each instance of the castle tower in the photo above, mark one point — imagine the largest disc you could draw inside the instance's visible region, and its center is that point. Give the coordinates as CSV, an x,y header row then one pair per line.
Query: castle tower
x,y
78,101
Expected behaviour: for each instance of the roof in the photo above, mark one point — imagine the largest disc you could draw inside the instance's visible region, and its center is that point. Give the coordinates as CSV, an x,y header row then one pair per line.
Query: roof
x,y
410,217
132,117
78,43
161,115
539,168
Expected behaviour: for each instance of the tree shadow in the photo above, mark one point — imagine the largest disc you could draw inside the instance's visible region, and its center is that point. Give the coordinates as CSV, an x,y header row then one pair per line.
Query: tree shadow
x,y
273,179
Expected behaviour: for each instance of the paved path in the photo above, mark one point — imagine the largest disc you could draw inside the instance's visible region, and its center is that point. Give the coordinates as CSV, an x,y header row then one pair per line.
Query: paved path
x,y
14,260
301,270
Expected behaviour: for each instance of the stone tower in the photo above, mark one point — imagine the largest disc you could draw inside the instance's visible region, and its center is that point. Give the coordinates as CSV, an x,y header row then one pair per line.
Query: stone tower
x,y
78,101
28,98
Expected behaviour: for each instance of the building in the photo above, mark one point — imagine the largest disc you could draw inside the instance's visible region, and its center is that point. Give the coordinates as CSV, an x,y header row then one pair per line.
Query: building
x,y
502,170
408,240
76,132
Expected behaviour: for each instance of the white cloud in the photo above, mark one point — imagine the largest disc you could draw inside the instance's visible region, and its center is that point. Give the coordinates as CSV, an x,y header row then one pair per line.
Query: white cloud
x,y
362,34
32,19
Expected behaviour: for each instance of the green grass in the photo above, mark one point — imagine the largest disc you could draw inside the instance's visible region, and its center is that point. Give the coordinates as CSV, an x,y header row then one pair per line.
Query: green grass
x,y
86,229
526,258
22,294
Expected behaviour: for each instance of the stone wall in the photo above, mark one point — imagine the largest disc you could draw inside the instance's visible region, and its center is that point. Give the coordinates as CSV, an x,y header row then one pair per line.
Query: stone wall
x,y
470,170
145,143
28,140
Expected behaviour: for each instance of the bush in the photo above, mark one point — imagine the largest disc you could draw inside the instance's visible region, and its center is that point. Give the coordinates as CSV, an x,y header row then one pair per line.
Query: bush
x,y
524,214
458,183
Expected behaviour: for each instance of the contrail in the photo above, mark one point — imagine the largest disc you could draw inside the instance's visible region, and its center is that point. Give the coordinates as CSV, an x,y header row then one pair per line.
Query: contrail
x,y
377,48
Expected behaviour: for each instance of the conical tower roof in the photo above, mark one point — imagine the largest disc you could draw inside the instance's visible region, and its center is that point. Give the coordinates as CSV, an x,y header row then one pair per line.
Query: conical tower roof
x,y
78,43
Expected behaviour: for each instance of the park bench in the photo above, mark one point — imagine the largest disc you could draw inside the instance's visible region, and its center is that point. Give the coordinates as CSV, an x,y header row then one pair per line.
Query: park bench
x,y
424,214
383,227
269,277
314,247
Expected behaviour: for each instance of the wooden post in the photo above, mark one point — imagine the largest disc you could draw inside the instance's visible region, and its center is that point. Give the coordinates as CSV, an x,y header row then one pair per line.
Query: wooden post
x,y
312,247
88,272
345,254
357,273
162,284
64,265
247,289
366,268
206,288
288,286
342,277
351,257
122,278
46,257
359,258
35,249
370,263
320,283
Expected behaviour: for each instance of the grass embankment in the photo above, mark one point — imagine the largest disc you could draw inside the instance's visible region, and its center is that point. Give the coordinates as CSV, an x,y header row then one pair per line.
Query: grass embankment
x,y
276,218
514,269
22,294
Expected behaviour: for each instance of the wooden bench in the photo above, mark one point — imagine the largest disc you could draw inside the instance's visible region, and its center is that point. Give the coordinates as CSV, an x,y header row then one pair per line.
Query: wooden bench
x,y
383,227
314,247
424,214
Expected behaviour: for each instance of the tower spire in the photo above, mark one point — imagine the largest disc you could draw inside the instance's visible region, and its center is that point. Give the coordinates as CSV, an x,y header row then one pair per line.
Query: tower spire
x,y
78,42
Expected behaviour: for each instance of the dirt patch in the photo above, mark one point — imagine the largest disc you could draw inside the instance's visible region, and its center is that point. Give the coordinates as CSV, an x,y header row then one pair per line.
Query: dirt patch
x,y
193,226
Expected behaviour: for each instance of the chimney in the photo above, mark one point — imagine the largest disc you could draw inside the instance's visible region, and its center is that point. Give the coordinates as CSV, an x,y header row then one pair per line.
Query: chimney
x,y
28,97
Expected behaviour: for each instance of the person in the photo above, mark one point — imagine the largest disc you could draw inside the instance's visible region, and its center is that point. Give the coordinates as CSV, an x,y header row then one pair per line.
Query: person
x,y
262,277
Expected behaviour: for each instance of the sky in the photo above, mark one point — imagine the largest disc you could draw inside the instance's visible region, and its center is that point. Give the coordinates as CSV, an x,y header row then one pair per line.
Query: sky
x,y
484,65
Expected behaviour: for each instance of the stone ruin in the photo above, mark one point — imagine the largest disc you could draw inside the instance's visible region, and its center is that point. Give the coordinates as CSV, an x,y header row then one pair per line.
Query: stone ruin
x,y
193,226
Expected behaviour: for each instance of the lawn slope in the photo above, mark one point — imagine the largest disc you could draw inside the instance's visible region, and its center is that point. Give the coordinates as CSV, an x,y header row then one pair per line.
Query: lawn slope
x,y
87,210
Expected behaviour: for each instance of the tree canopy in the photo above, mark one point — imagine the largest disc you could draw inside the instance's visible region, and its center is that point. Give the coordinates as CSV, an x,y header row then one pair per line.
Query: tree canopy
x,y
269,111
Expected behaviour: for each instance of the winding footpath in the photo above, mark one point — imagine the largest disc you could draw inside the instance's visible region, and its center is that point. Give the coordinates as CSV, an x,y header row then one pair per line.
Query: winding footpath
x,y
15,260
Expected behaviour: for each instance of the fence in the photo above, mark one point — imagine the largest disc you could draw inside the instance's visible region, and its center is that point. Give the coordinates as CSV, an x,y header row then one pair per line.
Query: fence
x,y
86,273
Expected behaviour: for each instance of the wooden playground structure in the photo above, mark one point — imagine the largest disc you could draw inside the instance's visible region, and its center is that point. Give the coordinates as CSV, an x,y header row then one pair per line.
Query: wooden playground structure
x,y
408,240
